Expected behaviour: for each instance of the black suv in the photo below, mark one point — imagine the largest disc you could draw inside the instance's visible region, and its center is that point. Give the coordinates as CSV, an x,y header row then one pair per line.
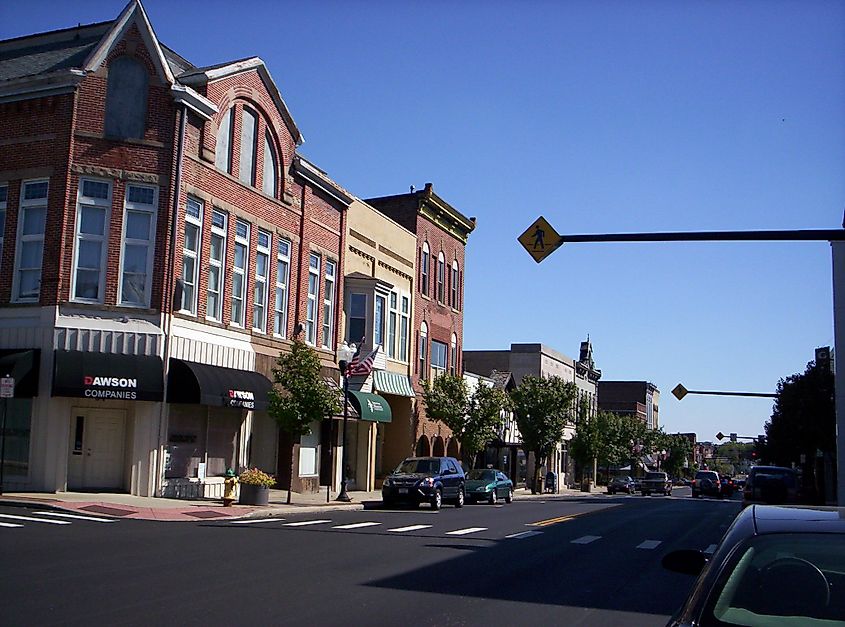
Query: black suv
x,y
433,480
708,483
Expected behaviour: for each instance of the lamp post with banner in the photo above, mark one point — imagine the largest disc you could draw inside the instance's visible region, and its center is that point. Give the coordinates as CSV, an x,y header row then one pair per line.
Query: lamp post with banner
x,y
7,391
344,354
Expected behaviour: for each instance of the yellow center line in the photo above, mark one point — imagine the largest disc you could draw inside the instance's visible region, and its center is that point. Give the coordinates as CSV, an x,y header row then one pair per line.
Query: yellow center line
x,y
552,521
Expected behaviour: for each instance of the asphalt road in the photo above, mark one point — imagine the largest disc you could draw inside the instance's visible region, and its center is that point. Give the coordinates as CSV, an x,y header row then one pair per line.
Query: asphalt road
x,y
562,561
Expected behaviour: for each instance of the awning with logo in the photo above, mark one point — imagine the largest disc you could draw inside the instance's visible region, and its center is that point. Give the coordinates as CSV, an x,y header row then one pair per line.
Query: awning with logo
x,y
22,366
370,406
108,376
203,384
392,383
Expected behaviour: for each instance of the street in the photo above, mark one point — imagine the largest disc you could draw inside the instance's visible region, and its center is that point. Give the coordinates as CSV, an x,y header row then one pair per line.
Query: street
x,y
560,560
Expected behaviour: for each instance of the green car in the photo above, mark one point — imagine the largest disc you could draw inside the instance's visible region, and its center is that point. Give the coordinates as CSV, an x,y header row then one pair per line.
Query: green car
x,y
485,484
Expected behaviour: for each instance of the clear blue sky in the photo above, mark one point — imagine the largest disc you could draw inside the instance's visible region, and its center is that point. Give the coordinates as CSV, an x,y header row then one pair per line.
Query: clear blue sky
x,y
604,117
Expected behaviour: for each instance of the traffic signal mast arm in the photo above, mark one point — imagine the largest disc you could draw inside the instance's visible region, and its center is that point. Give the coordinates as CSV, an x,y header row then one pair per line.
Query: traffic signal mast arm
x,y
711,236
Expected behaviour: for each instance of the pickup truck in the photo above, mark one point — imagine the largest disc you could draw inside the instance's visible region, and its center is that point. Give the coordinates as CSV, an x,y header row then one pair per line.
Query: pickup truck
x,y
657,482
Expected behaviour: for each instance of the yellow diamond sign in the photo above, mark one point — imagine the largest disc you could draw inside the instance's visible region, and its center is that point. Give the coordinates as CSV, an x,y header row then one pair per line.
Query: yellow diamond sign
x,y
540,239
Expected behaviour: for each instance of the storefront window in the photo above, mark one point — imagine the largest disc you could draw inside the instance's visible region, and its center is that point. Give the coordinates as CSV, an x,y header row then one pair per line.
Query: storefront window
x,y
308,452
223,429
200,434
18,412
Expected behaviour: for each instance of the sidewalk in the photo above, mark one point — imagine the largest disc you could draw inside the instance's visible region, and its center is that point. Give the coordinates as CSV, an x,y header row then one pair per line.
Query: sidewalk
x,y
162,509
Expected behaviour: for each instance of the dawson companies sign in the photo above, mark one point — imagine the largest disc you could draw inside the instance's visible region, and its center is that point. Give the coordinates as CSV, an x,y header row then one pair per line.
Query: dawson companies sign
x,y
107,376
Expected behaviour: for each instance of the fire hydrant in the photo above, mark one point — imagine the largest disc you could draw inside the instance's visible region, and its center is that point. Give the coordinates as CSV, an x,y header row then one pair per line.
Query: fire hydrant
x,y
229,488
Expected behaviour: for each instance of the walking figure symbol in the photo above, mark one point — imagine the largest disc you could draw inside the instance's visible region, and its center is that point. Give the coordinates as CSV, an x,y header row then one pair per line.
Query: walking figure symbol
x,y
539,234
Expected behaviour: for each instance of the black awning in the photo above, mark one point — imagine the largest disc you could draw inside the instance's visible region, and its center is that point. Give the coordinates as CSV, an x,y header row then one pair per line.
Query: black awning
x,y
107,376
202,384
22,366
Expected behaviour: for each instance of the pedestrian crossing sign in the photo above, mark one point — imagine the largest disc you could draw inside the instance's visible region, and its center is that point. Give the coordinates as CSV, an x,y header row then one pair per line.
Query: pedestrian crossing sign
x,y
540,239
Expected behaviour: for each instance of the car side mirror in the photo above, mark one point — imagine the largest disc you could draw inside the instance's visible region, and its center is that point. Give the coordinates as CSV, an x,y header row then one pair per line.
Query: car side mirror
x,y
684,561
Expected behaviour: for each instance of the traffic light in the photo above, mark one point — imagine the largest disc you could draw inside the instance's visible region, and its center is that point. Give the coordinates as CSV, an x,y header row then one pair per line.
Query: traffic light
x,y
753,454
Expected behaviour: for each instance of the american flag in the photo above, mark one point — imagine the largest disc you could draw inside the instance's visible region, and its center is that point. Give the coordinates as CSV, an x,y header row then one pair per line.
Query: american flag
x,y
359,367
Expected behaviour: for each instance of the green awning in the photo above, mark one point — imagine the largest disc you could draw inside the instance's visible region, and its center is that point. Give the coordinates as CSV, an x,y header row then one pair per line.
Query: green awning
x,y
392,383
370,406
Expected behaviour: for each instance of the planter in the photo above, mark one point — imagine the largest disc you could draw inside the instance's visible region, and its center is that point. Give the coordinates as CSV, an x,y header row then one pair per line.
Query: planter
x,y
254,494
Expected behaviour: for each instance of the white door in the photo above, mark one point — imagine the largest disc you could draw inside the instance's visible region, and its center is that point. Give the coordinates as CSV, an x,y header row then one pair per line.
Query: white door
x,y
97,437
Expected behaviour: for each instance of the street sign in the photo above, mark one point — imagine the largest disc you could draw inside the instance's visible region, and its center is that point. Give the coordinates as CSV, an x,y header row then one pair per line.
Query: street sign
x,y
733,437
540,239
720,436
7,387
680,391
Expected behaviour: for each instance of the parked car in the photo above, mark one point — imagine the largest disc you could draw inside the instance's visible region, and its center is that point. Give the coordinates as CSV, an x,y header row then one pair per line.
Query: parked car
x,y
486,484
706,482
433,480
771,484
621,484
656,483
775,565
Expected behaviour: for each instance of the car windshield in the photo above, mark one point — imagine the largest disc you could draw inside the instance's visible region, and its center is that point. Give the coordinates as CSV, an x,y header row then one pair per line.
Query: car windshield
x,y
419,466
705,475
780,474
484,475
782,579
655,475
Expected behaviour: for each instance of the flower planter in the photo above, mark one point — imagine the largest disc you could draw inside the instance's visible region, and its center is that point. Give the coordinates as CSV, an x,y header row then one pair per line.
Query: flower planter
x,y
254,494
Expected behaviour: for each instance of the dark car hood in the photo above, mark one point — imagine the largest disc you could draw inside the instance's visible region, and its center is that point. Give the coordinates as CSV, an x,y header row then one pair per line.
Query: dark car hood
x,y
415,476
785,519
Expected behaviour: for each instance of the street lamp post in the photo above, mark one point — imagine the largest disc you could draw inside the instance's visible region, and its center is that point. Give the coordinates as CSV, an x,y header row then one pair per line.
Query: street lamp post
x,y
661,456
344,354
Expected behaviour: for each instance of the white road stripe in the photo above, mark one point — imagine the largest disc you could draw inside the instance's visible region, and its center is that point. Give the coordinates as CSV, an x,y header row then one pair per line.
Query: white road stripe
x,y
76,516
411,528
649,544
304,523
357,525
2,524
463,532
41,520
524,534
586,539
251,521
710,549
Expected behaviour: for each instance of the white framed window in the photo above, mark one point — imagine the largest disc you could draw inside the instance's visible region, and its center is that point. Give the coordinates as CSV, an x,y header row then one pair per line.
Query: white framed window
x,y
356,327
453,355
404,325
378,320
423,350
392,324
438,357
223,149
308,445
30,249
313,298
268,178
216,265
242,229
4,196
328,304
191,254
280,325
93,207
246,164
139,222
424,257
453,287
441,278
262,276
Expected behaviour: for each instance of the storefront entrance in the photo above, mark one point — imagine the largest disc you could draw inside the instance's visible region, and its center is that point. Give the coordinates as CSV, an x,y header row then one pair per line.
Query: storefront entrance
x,y
95,458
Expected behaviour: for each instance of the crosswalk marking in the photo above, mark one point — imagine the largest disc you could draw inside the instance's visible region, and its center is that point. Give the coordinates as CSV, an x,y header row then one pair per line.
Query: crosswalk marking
x,y
649,544
251,521
409,528
77,517
585,539
524,534
357,525
2,524
304,523
463,532
41,520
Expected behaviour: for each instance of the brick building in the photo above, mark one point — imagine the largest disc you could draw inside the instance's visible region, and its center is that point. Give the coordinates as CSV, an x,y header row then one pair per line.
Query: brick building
x,y
438,322
640,399
162,242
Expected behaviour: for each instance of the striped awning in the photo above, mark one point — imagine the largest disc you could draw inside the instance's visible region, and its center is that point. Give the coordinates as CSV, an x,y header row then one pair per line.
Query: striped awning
x,y
385,382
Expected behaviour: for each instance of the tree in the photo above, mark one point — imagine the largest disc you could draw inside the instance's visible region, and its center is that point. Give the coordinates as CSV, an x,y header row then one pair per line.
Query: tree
x,y
473,419
544,408
300,396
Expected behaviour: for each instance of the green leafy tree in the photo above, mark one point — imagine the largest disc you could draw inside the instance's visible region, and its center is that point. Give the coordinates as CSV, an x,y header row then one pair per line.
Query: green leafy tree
x,y
474,419
300,396
543,407
588,442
